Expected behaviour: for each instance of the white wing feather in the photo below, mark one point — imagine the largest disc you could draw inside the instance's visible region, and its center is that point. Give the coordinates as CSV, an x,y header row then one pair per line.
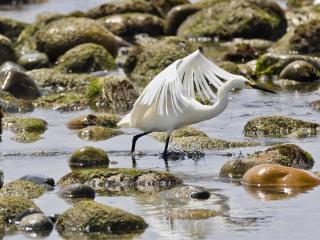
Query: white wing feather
x,y
170,90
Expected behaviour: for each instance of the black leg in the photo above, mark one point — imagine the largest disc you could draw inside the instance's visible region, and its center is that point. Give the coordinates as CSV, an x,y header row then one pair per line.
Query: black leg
x,y
166,147
134,140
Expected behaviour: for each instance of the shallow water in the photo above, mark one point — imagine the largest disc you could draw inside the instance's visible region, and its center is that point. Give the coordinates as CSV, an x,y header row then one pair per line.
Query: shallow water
x,y
245,215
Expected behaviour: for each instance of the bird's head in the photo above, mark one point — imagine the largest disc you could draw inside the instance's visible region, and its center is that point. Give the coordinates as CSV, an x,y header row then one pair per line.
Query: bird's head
x,y
244,83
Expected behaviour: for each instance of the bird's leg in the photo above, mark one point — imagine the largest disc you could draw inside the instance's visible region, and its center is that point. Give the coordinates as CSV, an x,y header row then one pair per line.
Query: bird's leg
x,y
134,140
165,152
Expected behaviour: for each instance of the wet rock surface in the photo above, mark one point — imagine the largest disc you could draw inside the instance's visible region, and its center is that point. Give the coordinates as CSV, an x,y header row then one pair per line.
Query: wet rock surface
x,y
299,71
287,155
46,182
35,125
6,50
185,193
74,191
89,157
102,120
96,133
33,60
36,223
192,214
22,188
11,28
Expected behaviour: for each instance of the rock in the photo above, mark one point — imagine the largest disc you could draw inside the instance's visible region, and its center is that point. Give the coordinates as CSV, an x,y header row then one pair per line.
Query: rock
x,y
25,213
300,71
89,157
77,191
102,120
230,67
298,3
46,182
121,179
156,57
278,126
186,192
26,42
112,93
22,188
192,214
29,125
10,66
97,133
247,19
34,60
164,6
20,85
287,155
128,6
298,134
182,132
12,206
11,28
84,58
272,175
316,105
55,38
128,24
36,223
6,50
1,172
27,137
271,64
10,104
89,216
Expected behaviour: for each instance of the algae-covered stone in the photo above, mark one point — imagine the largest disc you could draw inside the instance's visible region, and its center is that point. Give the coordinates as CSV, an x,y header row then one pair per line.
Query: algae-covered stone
x,y
299,3
300,71
77,191
230,67
33,60
272,175
12,206
129,24
226,20
118,7
88,57
89,216
89,157
29,125
121,179
27,137
316,105
115,93
156,57
6,50
287,155
278,126
97,133
55,38
10,104
102,120
164,6
186,192
22,188
182,132
37,222
11,28
44,181
191,214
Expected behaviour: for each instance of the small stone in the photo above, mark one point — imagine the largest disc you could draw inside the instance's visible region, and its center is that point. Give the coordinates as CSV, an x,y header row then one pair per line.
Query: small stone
x,y
36,222
192,214
77,191
29,125
103,120
300,71
10,66
27,137
34,60
316,105
96,133
89,157
186,192
42,180
27,212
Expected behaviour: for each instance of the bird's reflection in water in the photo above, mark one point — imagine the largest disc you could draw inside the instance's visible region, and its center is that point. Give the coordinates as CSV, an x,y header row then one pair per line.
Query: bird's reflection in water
x,y
275,193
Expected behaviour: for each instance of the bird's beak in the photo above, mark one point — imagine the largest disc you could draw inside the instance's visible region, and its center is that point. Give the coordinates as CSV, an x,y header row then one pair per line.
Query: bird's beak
x,y
255,86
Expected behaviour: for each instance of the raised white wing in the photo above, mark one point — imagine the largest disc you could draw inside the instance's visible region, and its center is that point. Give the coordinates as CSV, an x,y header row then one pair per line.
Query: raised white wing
x,y
171,89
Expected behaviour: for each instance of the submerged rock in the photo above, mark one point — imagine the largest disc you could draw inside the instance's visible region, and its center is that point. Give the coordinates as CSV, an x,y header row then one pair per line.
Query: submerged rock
x,y
10,104
27,137
287,155
185,193
192,214
6,50
97,133
301,71
102,120
129,24
77,191
316,105
11,28
117,179
89,216
37,222
55,39
22,188
272,175
29,125
84,58
278,126
89,157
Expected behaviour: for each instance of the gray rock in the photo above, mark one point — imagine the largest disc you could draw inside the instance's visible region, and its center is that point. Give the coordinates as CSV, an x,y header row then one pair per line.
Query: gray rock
x,y
34,60
186,192
301,71
36,222
77,191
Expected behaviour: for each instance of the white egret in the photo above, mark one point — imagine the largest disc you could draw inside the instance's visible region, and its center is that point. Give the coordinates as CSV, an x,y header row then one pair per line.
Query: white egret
x,y
169,101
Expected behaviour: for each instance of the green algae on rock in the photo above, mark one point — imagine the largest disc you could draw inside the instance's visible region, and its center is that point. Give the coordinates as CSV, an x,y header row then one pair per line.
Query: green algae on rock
x,y
22,188
35,125
122,179
298,3
97,133
27,137
192,214
77,191
301,71
182,132
84,58
89,157
102,120
287,155
89,216
6,50
278,126
11,28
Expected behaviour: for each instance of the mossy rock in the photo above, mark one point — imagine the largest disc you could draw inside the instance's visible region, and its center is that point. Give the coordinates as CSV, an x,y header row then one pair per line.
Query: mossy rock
x,y
182,132
89,157
301,71
164,6
97,133
227,20
230,67
10,104
58,81
22,189
316,105
89,216
192,214
128,24
127,6
26,42
278,126
6,50
102,120
11,28
112,93
29,125
122,179
88,57
33,60
55,38
298,3
12,206
27,137
156,57
287,155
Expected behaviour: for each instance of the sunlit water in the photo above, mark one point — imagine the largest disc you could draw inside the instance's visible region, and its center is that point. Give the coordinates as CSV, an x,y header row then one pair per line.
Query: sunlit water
x,y
245,215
